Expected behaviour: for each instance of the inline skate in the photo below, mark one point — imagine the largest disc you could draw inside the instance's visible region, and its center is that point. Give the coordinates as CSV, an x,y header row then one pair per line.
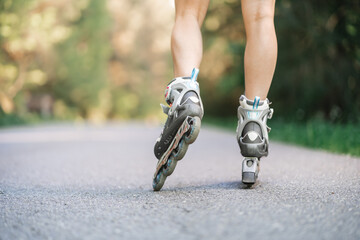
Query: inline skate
x,y
252,135
182,126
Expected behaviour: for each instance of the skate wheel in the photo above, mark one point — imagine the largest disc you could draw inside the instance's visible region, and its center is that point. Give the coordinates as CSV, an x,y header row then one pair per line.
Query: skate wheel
x,y
250,170
159,181
195,129
169,167
180,151
248,178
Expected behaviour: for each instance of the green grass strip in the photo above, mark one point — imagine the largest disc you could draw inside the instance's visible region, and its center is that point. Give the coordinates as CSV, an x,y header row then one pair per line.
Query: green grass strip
x,y
339,138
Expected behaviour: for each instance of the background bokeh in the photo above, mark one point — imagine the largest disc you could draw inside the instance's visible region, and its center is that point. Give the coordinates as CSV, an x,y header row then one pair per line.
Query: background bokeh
x,y
100,60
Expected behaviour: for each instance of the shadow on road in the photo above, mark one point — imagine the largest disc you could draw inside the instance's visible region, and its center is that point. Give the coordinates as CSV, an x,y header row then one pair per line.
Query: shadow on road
x,y
221,185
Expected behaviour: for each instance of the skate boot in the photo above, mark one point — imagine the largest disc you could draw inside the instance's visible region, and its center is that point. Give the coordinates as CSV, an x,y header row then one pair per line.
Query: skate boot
x,y
252,135
182,126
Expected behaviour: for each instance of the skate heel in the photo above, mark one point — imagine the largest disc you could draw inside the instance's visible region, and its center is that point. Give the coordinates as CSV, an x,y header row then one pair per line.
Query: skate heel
x,y
250,170
252,135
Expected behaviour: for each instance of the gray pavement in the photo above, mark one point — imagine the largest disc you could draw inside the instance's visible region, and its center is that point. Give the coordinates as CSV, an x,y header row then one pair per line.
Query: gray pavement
x,y
88,182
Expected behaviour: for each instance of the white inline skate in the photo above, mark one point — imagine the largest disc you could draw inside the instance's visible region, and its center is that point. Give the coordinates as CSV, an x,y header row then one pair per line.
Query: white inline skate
x,y
252,135
182,126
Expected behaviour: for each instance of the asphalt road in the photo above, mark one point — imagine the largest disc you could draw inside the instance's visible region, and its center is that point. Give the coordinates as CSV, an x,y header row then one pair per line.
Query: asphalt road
x,y
87,182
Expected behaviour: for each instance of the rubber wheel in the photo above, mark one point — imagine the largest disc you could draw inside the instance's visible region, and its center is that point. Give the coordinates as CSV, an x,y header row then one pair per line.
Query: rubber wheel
x,y
248,178
195,129
170,166
180,151
159,181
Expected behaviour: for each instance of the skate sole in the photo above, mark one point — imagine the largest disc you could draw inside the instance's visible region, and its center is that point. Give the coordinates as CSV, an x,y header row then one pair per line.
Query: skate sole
x,y
176,150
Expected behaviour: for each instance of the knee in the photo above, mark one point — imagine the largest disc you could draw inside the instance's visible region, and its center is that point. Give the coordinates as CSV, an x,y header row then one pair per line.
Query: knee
x,y
263,14
187,15
191,10
259,11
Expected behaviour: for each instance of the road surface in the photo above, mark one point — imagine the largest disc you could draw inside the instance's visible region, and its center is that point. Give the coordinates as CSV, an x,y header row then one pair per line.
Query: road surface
x,y
88,182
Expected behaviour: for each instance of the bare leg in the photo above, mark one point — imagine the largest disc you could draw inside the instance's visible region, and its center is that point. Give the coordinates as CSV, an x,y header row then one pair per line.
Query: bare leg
x,y
261,46
186,40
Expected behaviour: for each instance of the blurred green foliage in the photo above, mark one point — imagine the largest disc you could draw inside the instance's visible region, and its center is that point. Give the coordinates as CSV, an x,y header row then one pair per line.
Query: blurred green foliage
x,y
99,60
318,68
53,59
83,59
82,81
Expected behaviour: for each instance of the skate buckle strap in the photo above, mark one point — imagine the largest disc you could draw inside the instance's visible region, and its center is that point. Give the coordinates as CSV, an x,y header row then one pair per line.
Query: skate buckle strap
x,y
256,102
194,74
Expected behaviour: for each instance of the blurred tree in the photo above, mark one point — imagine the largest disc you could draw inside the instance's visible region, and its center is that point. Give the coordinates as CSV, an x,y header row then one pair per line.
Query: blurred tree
x,y
81,74
18,50
222,67
30,31
140,65
111,59
318,70
68,59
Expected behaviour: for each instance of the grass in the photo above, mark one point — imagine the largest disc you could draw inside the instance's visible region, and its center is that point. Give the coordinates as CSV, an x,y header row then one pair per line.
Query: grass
x,y
10,120
7,120
337,138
